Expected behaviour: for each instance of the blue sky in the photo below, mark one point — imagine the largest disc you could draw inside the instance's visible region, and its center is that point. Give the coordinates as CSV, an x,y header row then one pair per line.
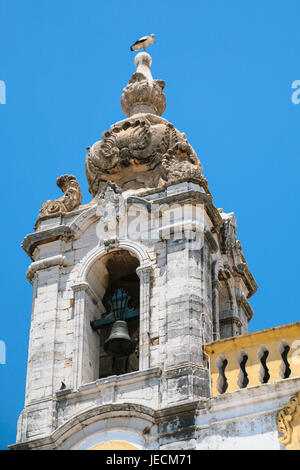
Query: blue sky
x,y
228,67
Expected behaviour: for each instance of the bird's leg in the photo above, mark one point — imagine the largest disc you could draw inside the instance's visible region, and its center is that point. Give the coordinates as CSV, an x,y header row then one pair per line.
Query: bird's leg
x,y
144,49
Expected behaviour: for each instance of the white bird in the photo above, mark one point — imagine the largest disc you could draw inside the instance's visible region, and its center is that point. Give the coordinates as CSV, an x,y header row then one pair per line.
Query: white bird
x,y
143,42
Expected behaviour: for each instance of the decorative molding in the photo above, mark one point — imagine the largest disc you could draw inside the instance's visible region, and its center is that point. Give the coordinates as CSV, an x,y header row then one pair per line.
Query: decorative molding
x,y
288,423
84,286
230,321
242,301
194,196
146,268
144,150
243,271
76,423
32,240
217,265
99,251
85,218
46,263
213,246
140,95
136,377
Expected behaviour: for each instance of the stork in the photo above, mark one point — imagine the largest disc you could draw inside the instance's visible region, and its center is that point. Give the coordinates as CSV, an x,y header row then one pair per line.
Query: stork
x,y
143,42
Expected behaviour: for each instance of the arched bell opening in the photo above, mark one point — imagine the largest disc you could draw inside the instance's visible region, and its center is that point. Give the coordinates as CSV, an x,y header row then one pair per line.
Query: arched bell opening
x,y
118,327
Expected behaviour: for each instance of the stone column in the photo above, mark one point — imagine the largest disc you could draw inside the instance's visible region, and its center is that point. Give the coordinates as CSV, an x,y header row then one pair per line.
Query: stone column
x,y
43,348
188,307
38,415
144,273
86,341
216,286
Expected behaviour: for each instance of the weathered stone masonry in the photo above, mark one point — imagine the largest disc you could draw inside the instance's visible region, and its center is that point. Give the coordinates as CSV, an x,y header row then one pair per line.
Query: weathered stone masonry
x,y
193,290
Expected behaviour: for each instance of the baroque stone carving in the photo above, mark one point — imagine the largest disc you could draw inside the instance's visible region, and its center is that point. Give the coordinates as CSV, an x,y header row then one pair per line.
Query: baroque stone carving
x,y
181,161
143,94
110,207
288,423
228,232
110,202
142,152
68,202
140,95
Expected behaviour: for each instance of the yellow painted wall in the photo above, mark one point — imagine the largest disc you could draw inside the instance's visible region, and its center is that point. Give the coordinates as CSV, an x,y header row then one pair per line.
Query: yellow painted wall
x,y
250,343
114,445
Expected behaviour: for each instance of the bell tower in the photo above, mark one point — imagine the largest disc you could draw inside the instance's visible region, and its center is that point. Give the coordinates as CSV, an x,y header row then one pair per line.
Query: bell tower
x,y
128,289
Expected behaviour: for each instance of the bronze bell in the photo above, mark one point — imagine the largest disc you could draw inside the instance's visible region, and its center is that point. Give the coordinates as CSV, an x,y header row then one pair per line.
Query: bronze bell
x,y
119,342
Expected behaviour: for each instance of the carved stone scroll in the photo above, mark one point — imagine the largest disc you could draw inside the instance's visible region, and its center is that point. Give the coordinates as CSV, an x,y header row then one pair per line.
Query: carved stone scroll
x,y
141,152
144,150
288,423
68,202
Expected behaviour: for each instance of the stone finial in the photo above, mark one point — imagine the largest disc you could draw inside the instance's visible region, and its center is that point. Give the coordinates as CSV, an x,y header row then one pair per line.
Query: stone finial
x,y
143,62
144,150
143,94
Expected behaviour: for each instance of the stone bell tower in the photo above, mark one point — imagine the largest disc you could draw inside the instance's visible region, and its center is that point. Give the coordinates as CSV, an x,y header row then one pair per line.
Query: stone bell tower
x,y
151,250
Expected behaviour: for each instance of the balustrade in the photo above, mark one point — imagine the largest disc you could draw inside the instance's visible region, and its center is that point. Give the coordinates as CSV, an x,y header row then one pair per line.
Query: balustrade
x,y
254,359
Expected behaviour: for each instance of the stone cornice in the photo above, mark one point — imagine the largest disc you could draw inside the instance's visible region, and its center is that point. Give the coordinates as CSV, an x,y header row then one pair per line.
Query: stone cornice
x,y
194,196
61,215
189,407
241,300
32,240
132,200
243,271
200,412
112,381
230,320
66,232
199,181
46,263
